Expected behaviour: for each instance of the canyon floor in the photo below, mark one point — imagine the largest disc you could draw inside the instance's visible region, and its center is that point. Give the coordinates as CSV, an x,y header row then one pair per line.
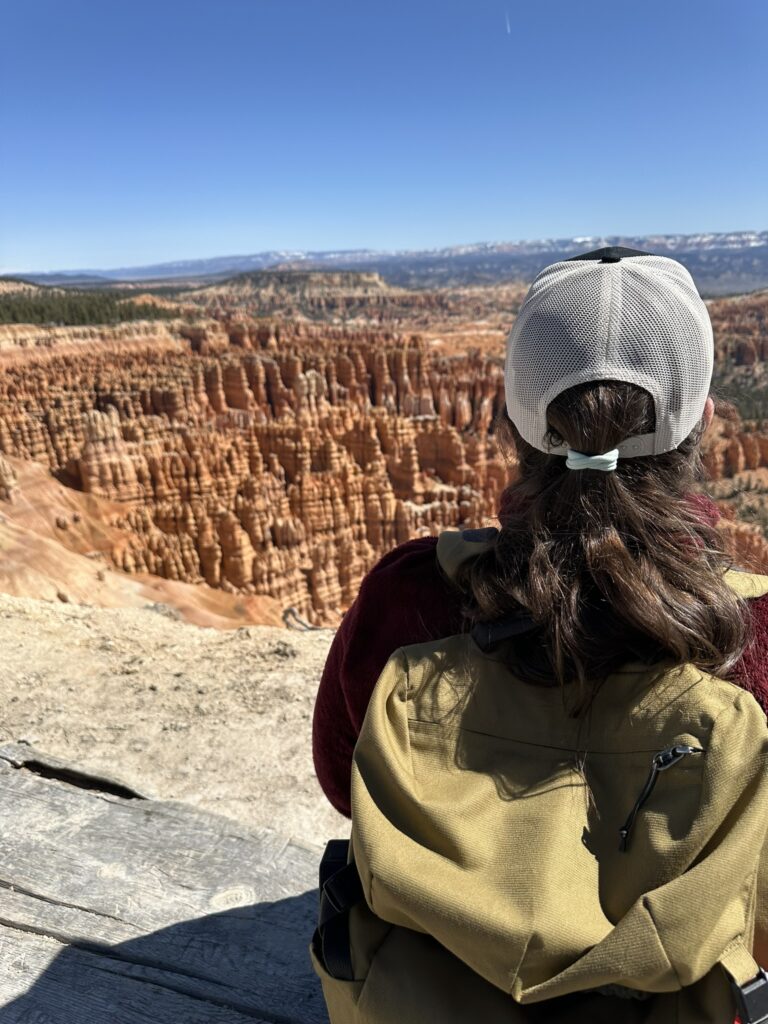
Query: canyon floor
x,y
221,720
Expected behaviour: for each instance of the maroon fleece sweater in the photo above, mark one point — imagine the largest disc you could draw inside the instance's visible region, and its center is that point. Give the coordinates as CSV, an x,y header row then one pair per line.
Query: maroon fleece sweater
x,y
404,600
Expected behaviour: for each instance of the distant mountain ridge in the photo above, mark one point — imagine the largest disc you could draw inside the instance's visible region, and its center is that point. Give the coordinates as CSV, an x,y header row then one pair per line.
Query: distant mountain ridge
x,y
721,263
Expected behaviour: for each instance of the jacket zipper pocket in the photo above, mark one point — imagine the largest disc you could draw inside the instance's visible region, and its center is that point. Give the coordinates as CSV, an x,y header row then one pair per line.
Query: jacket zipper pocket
x,y
661,761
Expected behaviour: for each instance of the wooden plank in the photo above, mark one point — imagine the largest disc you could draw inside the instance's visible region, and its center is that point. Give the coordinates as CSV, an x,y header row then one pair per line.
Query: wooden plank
x,y
133,896
22,755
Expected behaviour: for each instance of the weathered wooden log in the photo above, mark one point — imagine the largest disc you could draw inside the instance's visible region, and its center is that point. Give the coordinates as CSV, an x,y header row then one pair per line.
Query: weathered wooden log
x,y
115,909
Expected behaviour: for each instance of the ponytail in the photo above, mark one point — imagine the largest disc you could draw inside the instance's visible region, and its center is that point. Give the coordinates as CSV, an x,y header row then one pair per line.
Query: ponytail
x,y
612,566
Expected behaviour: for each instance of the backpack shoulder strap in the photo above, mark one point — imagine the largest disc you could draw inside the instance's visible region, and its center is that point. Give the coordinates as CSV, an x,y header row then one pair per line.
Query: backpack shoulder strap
x,y
746,584
456,546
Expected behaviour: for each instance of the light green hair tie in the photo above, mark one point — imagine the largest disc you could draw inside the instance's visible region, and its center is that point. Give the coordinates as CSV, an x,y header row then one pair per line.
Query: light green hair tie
x,y
605,462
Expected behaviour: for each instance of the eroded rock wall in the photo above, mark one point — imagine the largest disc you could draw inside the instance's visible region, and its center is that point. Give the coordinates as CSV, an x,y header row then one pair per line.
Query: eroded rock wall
x,y
266,464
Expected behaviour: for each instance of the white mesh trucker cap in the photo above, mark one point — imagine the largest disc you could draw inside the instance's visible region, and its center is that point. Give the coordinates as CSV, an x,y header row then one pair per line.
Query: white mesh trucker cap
x,y
611,314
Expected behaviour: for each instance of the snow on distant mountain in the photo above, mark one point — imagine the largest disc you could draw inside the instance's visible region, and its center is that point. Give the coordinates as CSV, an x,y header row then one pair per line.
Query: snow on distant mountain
x,y
720,262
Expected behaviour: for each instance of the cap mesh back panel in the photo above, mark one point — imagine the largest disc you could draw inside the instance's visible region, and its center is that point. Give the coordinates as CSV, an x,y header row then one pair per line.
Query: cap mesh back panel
x,y
640,320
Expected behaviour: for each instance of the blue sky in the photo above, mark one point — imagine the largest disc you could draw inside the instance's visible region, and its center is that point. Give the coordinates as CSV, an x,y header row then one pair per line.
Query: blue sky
x,y
141,132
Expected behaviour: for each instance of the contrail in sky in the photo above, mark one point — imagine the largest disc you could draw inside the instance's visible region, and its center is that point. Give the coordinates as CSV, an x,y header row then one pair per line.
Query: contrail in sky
x,y
509,30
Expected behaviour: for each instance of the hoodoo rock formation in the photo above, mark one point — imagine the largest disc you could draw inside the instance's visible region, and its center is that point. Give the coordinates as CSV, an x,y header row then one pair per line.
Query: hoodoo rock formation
x,y
741,329
265,463
280,460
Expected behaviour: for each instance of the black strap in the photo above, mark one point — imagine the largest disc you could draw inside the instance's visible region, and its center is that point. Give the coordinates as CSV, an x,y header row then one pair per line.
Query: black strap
x,y
340,890
335,948
488,635
484,535
343,889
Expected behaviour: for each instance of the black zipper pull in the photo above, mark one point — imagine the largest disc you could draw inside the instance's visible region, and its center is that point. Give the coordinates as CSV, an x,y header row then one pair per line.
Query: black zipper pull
x,y
661,761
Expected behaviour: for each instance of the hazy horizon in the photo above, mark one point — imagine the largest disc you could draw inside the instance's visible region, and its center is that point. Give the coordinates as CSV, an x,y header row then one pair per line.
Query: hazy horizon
x,y
367,249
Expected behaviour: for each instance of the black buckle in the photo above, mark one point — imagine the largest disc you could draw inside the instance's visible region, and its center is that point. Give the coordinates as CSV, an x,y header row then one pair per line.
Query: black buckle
x,y
344,888
752,999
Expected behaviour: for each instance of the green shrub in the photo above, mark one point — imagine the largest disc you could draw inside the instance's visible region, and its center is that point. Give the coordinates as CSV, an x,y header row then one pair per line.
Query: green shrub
x,y
75,308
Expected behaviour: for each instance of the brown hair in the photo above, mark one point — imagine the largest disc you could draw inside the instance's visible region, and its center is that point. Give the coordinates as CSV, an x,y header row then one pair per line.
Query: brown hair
x,y
611,566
